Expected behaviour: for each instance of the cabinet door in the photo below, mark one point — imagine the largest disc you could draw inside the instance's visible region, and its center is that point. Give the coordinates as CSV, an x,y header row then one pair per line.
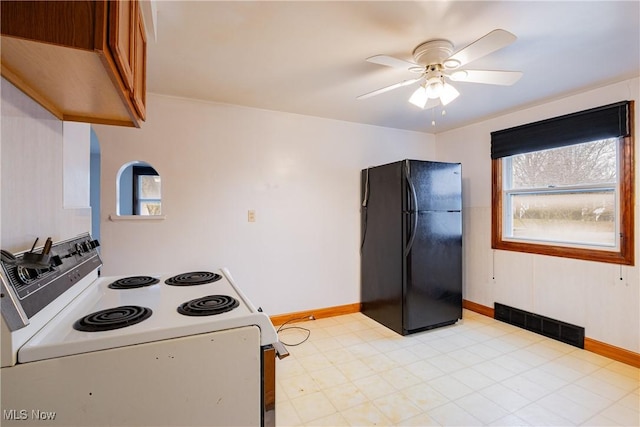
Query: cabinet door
x,y
121,38
140,66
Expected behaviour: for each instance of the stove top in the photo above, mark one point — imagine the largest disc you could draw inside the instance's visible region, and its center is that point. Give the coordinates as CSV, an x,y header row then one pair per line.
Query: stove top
x,y
165,312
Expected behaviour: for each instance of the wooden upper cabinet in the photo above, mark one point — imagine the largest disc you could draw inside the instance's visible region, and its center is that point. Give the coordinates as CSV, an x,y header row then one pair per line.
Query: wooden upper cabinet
x,y
81,60
122,28
140,66
18,19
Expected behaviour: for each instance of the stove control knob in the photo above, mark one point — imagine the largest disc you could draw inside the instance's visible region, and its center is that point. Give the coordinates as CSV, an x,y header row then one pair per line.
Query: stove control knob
x,y
79,249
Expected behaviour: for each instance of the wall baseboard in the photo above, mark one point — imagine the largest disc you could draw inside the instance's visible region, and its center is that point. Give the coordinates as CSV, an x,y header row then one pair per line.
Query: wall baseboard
x,y
603,349
318,313
478,308
612,352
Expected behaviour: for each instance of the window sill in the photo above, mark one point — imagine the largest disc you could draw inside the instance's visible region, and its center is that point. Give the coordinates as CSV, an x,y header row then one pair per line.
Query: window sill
x,y
608,256
115,217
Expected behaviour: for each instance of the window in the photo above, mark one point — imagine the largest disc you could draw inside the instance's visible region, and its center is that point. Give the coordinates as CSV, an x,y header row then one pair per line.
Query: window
x,y
146,191
138,192
564,186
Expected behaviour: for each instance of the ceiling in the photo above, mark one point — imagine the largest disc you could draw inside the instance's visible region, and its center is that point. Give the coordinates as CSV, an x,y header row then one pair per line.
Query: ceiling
x,y
308,57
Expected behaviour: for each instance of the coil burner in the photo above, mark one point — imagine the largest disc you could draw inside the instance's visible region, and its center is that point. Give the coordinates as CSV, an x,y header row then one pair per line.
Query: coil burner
x,y
208,306
112,318
133,282
193,278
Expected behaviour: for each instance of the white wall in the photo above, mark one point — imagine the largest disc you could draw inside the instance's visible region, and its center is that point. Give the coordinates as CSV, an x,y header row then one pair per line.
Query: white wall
x,y
33,193
604,298
300,174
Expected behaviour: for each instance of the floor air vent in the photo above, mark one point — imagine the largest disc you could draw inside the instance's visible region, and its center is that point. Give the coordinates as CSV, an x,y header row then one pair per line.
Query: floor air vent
x,y
542,325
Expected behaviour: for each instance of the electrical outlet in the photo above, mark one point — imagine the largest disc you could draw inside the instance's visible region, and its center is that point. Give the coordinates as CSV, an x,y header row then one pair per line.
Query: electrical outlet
x,y
251,215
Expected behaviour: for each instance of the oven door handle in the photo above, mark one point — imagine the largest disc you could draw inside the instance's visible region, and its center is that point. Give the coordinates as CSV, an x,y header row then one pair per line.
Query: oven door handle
x,y
281,350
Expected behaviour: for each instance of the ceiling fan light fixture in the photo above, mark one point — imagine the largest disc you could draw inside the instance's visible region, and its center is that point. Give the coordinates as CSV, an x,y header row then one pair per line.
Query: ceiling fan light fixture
x,y
449,93
419,97
434,87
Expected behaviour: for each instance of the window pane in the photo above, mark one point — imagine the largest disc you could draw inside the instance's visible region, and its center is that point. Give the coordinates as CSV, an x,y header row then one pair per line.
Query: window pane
x,y
572,217
150,208
581,164
149,186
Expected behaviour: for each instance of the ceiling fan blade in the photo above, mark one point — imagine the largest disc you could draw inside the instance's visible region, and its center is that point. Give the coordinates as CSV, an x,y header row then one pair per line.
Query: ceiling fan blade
x,y
502,78
390,61
388,88
496,39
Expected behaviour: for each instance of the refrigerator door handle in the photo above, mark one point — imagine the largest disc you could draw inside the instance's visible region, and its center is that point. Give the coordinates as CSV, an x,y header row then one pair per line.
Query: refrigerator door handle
x,y
365,200
413,211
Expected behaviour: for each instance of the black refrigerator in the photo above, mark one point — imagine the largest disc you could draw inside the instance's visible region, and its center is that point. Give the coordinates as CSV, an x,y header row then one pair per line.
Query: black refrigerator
x,y
411,247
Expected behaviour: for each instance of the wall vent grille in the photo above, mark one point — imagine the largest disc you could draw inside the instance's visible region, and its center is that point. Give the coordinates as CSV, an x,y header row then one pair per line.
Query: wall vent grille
x,y
556,329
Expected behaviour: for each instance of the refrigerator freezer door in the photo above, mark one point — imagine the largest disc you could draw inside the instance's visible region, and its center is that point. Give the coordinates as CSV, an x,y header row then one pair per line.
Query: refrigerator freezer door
x,y
438,185
382,245
433,294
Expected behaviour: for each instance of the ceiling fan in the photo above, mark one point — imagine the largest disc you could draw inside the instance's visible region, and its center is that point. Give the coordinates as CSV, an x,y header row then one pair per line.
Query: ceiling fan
x,y
435,63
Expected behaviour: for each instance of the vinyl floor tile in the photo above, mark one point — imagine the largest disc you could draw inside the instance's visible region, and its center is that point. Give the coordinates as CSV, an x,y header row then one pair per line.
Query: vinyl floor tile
x,y
537,415
505,397
424,396
313,406
396,408
453,415
345,396
472,379
567,408
481,408
365,414
374,386
328,377
622,415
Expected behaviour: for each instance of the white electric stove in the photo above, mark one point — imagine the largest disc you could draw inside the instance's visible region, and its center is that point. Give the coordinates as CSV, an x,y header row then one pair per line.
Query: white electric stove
x,y
179,349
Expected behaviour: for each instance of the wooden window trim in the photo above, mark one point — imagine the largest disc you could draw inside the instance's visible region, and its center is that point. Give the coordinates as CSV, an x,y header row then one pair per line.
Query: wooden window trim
x,y
625,254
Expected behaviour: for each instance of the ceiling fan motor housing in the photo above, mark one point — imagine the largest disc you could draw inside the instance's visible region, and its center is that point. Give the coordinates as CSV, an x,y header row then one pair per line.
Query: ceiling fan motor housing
x,y
433,52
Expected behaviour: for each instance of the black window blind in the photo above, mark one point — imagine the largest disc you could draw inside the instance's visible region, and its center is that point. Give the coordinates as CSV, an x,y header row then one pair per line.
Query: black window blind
x,y
609,121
